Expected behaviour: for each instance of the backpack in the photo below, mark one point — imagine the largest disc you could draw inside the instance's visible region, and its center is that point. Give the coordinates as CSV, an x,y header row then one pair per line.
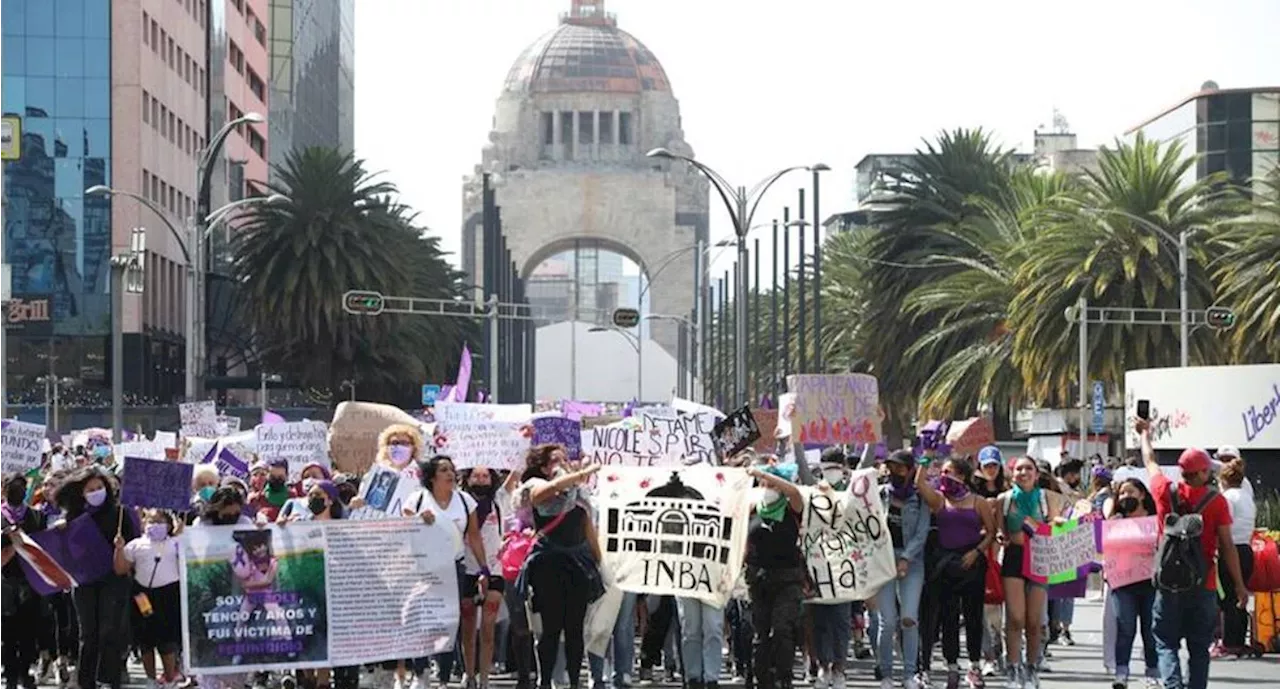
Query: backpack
x,y
1180,562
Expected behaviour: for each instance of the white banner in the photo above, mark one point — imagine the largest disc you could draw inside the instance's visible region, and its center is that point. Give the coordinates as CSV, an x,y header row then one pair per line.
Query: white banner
x,y
199,419
23,445
1207,406
445,413
143,449
316,594
678,532
845,540
483,443
299,442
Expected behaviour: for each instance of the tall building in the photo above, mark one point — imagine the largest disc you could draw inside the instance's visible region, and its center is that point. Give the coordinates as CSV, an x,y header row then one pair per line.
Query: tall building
x,y
239,64
1231,131
312,75
107,92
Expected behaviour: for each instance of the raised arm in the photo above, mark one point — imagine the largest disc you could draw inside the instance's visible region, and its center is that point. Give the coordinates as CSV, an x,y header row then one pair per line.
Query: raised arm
x,y
1143,427
931,496
545,492
783,486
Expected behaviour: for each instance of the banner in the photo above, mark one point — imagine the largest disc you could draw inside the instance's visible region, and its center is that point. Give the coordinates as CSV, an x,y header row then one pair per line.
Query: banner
x,y
483,443
835,409
446,413
146,449
1059,553
199,419
316,594
156,483
1129,550
678,532
299,442
559,430
23,445
79,548
845,541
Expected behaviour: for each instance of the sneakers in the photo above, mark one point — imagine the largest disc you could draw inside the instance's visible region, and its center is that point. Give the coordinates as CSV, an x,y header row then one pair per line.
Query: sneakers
x,y
1065,638
974,678
820,680
989,668
1120,682
469,681
911,683
1032,679
922,680
837,680
646,674
415,683
953,678
1013,677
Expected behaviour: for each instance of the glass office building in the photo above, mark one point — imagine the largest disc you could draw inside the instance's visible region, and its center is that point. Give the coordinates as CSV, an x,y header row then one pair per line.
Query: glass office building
x,y
56,83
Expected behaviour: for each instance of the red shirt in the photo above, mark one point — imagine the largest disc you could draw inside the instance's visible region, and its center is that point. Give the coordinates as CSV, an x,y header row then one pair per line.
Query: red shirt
x,y
1215,514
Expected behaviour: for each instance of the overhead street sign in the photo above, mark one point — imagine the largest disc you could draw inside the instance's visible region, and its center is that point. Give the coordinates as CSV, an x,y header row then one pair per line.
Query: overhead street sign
x,y
430,393
626,318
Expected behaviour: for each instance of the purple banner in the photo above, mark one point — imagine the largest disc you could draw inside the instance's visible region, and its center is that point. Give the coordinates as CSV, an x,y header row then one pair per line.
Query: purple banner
x,y
558,430
577,410
156,483
81,550
227,462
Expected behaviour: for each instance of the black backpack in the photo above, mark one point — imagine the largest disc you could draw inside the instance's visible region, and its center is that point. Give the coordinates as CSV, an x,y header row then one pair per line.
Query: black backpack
x,y
1180,561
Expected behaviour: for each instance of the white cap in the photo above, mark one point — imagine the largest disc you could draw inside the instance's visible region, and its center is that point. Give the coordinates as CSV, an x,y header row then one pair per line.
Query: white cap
x,y
1227,451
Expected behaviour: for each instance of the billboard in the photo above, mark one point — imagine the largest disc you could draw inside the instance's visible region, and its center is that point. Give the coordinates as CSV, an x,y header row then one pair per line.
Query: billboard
x,y
1207,406
29,314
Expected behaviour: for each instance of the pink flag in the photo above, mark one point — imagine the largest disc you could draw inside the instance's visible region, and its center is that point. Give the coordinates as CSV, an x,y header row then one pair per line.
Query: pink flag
x,y
460,388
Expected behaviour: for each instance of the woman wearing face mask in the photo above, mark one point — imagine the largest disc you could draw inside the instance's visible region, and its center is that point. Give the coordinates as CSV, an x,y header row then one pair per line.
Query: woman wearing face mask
x,y
439,498
1023,507
275,492
156,612
1131,605
484,583
101,604
399,446
225,508
204,482
23,607
63,638
831,622
898,602
966,529
562,567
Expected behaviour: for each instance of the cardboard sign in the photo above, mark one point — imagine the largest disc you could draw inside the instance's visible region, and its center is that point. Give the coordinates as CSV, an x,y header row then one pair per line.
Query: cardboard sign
x,y
353,433
1129,550
199,419
156,483
835,409
1060,553
23,445
735,432
482,443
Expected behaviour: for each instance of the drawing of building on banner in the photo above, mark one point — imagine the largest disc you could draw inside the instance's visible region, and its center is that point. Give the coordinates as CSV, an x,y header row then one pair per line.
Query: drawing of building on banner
x,y
675,527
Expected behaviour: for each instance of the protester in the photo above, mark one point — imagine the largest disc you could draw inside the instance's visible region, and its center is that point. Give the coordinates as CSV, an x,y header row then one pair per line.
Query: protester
x,y
156,613
775,570
23,608
275,492
1131,604
483,583
1185,614
562,567
61,638
226,508
831,622
990,480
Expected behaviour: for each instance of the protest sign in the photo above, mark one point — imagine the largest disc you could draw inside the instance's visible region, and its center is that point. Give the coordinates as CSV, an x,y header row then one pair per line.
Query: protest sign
x,y
228,424
767,422
165,439
234,453
1129,550
156,483
845,541
835,409
559,430
679,532
353,433
1058,553
199,419
483,443
316,594
145,449
79,548
649,442
198,450
385,492
446,413
735,432
23,444
299,442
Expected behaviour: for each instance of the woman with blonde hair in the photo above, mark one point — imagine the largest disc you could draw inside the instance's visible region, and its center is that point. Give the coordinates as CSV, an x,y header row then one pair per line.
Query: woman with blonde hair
x,y
400,448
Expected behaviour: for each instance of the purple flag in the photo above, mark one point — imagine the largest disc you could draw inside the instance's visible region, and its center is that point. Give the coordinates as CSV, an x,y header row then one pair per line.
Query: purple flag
x,y
445,394
460,388
269,417
765,401
80,548
577,410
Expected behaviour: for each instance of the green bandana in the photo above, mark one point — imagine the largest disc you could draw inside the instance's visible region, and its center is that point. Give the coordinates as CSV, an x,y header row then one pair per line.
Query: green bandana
x,y
772,512
277,498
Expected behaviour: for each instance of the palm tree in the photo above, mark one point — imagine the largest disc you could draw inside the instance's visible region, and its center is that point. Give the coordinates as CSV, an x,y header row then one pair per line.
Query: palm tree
x,y
1109,249
1247,272
339,231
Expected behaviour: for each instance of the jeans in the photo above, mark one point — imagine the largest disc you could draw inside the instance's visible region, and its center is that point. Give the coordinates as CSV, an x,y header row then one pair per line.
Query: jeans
x,y
899,603
1235,622
831,629
1178,616
1061,612
103,610
701,639
1131,610
775,618
662,611
623,646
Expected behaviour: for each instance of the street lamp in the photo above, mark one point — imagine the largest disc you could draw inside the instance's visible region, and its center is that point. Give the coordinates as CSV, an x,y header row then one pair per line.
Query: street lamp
x,y
52,385
264,379
194,242
634,341
126,275
349,385
741,204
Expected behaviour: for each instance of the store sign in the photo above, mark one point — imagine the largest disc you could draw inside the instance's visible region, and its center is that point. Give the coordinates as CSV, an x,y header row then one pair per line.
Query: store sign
x,y
1207,406
29,314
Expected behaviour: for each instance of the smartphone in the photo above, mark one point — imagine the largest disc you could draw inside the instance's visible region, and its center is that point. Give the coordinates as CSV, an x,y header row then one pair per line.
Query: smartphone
x,y
1144,410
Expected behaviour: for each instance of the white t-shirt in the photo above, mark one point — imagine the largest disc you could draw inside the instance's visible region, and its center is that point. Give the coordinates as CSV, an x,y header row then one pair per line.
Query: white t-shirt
x,y
1244,513
155,563
459,510
491,535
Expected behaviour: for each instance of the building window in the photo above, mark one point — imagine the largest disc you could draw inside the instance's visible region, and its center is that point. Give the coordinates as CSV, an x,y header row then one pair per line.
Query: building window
x,y
146,183
624,128
172,52
155,189
155,113
146,28
566,130
586,128
155,37
257,143
200,75
256,86
239,5
164,121
236,57
187,63
172,126
548,128
259,32
146,107
606,128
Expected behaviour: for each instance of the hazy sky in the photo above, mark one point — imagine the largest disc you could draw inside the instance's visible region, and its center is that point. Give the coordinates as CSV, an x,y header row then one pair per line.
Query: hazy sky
x,y
768,84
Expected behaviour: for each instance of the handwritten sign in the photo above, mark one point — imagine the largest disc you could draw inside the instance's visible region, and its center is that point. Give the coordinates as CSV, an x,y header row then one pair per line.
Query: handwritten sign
x,y
559,430
767,422
228,424
835,409
446,413
481,443
153,483
299,442
145,449
1129,550
845,541
199,419
655,441
23,445
1060,553
735,432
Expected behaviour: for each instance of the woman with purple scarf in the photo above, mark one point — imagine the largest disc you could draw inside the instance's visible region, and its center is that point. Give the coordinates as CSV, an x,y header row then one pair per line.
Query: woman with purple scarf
x,y
23,608
898,601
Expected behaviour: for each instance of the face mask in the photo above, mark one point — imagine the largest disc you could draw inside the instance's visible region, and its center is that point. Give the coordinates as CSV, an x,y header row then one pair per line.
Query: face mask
x,y
771,496
1127,504
101,452
835,477
482,490
952,488
316,505
157,532
15,494
276,482
95,498
400,454
226,519
205,494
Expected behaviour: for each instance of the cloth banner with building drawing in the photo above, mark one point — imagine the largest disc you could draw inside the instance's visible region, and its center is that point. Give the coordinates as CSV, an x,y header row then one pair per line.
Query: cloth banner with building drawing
x,y
677,531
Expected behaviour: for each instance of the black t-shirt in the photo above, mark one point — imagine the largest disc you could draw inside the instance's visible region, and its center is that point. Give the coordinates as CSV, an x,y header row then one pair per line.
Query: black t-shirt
x,y
775,545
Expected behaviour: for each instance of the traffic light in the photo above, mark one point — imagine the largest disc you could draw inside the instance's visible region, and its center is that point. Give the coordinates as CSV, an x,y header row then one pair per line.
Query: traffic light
x,y
1219,318
363,303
